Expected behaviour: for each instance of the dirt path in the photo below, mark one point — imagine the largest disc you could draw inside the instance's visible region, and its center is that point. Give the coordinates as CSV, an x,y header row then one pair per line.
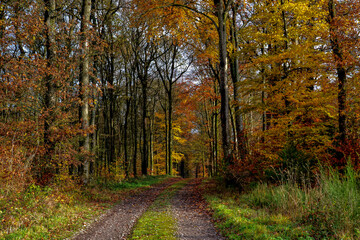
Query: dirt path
x,y
186,207
193,221
118,222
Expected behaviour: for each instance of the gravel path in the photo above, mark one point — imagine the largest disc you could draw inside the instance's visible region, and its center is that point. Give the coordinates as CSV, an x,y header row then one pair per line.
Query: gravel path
x,y
193,222
117,223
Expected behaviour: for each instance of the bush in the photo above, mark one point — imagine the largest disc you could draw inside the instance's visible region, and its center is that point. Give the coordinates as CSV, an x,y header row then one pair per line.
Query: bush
x,y
296,166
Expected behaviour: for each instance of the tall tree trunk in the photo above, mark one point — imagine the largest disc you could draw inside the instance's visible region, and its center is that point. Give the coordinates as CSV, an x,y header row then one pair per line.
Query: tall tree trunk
x,y
224,91
135,132
84,82
94,122
341,72
126,154
144,161
170,129
134,160
109,104
151,147
106,129
49,98
216,133
286,70
166,141
234,69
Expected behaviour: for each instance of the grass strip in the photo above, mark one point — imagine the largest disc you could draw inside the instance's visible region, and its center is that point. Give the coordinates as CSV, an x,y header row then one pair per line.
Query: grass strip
x,y
52,212
157,222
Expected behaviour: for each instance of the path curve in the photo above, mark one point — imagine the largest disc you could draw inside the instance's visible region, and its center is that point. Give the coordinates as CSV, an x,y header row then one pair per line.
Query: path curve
x,y
193,222
119,221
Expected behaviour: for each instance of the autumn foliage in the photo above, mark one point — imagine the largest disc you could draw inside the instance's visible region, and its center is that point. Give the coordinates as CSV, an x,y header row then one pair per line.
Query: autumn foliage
x,y
156,88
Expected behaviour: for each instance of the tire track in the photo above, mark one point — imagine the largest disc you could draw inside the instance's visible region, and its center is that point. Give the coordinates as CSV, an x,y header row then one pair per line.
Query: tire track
x,y
118,222
193,222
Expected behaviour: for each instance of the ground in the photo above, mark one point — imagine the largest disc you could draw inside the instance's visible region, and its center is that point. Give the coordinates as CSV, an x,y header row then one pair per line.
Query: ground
x,y
175,202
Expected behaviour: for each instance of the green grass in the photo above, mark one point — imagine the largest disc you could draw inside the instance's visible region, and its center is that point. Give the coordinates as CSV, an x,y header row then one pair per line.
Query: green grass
x,y
50,212
132,183
330,210
157,222
237,221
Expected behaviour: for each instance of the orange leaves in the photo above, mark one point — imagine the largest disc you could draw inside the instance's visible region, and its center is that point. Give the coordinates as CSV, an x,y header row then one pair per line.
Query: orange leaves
x,y
24,66
17,151
173,18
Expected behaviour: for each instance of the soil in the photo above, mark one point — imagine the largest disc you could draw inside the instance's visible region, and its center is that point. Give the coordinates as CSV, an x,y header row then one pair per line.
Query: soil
x,y
118,222
187,206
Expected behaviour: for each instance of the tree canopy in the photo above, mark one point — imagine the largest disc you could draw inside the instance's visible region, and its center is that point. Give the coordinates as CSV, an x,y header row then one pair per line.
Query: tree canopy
x,y
117,89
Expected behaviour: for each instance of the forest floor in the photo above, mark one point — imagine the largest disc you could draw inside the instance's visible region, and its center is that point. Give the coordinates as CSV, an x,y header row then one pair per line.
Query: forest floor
x,y
162,207
174,209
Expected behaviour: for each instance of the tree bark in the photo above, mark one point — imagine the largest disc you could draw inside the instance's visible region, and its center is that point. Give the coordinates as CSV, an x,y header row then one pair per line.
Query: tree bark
x,y
341,72
126,125
144,161
224,91
84,82
234,69
134,160
170,130
49,98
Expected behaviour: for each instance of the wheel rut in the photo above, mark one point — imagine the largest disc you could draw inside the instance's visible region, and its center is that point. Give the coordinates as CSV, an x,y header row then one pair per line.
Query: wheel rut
x,y
186,208
118,222
192,220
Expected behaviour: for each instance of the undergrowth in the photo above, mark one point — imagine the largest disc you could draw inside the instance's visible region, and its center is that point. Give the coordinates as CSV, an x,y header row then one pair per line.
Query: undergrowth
x,y
58,211
330,210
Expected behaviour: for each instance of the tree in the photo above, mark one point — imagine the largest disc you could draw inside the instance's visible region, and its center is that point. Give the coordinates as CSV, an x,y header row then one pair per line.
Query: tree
x,y
342,44
84,82
234,69
170,69
222,9
49,97
145,53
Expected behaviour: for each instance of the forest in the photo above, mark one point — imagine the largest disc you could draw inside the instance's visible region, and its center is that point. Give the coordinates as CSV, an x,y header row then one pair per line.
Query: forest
x,y
261,96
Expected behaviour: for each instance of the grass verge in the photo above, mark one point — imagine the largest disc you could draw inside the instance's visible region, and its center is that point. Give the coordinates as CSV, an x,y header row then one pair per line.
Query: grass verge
x,y
51,212
157,222
241,222
331,210
237,220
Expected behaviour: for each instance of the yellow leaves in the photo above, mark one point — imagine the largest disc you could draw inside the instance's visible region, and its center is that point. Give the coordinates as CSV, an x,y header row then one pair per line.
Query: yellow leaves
x,y
177,157
159,117
179,139
304,21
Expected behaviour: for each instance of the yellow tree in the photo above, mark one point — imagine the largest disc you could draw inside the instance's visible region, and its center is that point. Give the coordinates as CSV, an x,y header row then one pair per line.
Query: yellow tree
x,y
289,97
